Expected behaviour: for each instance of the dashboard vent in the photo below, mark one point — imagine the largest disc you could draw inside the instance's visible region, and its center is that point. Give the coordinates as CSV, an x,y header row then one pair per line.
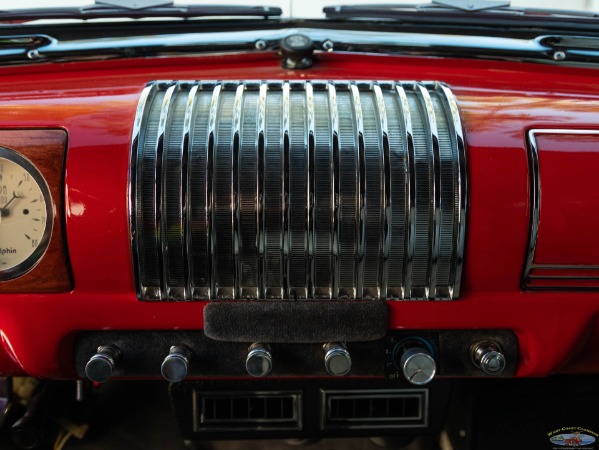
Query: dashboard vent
x,y
242,411
292,190
374,409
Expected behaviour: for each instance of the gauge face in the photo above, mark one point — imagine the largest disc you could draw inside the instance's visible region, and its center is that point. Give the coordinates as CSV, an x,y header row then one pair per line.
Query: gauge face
x,y
25,215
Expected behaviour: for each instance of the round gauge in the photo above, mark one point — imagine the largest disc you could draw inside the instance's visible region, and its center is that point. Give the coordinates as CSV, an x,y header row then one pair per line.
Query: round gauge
x,y
26,215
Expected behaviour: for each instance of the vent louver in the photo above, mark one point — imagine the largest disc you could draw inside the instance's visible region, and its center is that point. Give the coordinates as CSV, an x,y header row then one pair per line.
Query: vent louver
x,y
374,409
321,189
241,411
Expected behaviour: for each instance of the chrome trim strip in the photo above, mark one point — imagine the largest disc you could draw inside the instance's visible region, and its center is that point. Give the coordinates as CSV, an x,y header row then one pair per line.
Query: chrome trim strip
x,y
348,181
373,185
335,211
563,277
171,208
423,187
249,171
297,187
234,41
410,192
395,153
261,126
462,187
435,188
236,231
563,267
535,199
385,244
222,212
200,211
360,198
146,199
310,210
285,184
535,203
159,177
322,194
273,210
141,116
214,103
186,172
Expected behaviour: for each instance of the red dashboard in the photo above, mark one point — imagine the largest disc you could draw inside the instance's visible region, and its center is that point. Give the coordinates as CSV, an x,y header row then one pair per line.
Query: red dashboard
x,y
503,286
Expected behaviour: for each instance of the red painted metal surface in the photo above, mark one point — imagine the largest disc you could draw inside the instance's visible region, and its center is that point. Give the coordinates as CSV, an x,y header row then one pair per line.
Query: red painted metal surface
x,y
569,162
95,103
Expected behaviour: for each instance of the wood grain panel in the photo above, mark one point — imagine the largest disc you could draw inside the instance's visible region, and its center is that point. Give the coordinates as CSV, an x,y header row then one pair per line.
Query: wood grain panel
x,y
46,150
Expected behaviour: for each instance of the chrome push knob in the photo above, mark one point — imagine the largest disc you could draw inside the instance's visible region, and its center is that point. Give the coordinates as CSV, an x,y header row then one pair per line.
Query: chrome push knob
x,y
418,365
101,366
175,365
488,357
259,360
337,360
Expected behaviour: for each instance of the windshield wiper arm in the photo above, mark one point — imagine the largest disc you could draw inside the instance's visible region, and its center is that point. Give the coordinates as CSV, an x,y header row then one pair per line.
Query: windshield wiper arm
x,y
448,8
104,11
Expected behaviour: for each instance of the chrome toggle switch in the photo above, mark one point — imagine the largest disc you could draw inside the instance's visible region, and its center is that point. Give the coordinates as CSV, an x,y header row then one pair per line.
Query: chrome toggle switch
x,y
259,360
175,365
337,360
418,365
101,366
488,357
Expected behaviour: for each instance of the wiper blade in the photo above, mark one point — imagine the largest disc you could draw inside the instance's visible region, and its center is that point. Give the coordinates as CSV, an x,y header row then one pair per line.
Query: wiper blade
x,y
450,9
104,11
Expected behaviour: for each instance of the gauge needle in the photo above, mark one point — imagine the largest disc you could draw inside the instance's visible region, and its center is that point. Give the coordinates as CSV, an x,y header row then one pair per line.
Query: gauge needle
x,y
14,196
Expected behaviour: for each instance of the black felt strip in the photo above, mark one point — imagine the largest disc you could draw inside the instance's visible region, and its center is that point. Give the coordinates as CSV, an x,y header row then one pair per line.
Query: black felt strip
x,y
287,321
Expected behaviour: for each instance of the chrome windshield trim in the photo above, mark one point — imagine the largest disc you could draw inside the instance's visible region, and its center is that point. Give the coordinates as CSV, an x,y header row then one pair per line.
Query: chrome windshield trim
x,y
348,40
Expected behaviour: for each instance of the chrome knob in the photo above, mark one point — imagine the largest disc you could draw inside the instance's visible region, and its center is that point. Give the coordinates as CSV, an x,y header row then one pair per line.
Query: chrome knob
x,y
488,357
259,360
175,365
418,366
337,360
101,366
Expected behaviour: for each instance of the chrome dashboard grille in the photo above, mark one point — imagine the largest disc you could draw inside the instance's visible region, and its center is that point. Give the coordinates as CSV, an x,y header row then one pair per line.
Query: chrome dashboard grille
x,y
291,190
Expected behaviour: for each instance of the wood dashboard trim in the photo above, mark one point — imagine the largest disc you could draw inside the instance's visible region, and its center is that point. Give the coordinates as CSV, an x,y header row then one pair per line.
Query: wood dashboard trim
x,y
46,150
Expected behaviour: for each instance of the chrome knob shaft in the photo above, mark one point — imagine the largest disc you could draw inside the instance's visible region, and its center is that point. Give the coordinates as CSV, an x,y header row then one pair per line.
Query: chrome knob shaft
x,y
101,366
488,357
176,364
337,359
259,360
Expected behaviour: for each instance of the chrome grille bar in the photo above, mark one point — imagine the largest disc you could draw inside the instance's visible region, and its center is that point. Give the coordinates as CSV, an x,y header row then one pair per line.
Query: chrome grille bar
x,y
348,198
293,190
322,202
297,188
247,189
222,195
424,195
199,188
172,224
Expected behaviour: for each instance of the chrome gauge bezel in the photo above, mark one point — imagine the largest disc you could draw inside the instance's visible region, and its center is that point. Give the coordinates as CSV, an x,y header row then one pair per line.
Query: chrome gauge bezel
x,y
32,260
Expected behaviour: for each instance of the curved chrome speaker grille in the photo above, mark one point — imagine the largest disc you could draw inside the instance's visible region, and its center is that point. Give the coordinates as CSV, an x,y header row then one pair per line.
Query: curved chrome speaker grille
x,y
321,189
